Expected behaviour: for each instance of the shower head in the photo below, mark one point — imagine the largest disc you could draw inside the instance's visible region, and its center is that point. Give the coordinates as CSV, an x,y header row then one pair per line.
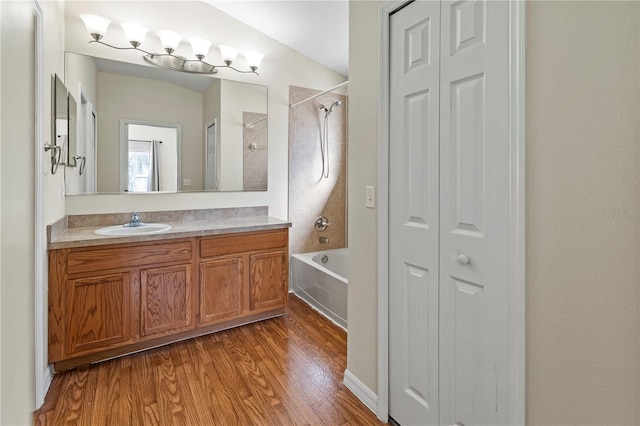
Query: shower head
x,y
330,109
335,103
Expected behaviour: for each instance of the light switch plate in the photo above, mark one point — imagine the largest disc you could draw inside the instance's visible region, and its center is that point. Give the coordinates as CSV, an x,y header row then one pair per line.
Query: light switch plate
x,y
370,194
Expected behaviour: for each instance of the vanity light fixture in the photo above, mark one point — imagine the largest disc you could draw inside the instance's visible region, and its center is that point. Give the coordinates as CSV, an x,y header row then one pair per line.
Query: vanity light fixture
x,y
97,26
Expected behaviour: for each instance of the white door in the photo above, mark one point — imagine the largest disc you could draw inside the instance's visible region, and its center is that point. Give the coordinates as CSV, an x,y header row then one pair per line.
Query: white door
x,y
474,207
470,329
414,213
210,159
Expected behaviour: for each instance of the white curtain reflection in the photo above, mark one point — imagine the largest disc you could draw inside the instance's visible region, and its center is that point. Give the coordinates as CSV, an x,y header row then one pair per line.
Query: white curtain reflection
x,y
154,166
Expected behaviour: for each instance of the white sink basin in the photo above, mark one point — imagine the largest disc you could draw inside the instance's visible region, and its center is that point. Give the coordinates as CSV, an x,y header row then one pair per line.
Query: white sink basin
x,y
149,228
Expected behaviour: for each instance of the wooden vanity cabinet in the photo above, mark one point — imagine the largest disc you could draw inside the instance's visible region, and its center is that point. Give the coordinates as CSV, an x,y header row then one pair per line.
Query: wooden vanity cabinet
x,y
106,301
109,297
243,275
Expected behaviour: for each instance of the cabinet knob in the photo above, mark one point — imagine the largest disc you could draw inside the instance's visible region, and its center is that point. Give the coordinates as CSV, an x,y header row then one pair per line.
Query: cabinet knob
x,y
463,260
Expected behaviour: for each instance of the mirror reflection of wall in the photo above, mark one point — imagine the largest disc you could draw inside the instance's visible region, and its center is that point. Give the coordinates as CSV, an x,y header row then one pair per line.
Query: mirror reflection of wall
x,y
117,91
72,132
61,115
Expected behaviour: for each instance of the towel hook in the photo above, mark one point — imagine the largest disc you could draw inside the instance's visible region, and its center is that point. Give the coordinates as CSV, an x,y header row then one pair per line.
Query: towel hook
x,y
56,153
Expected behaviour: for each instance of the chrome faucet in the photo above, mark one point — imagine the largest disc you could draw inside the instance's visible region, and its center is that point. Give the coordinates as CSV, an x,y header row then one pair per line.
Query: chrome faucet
x,y
135,221
321,223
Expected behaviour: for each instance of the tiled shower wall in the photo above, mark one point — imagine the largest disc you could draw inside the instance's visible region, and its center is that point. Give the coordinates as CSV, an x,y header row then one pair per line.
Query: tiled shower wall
x,y
254,164
310,195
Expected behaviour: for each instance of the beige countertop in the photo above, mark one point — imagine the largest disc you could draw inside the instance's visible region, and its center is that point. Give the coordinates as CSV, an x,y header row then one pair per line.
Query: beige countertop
x,y
84,237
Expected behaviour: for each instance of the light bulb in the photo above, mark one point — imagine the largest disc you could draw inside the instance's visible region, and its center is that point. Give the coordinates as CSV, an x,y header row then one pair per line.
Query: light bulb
x,y
200,47
96,25
253,59
169,40
228,53
135,33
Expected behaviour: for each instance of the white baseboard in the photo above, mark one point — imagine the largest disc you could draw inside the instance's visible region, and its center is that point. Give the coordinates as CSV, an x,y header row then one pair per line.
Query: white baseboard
x,y
45,380
363,393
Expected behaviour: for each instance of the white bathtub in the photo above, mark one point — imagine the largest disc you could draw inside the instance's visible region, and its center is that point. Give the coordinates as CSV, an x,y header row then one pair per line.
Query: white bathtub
x,y
322,284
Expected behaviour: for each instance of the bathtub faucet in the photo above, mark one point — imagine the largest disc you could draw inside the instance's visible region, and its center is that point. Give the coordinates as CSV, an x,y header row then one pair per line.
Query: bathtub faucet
x,y
321,224
324,240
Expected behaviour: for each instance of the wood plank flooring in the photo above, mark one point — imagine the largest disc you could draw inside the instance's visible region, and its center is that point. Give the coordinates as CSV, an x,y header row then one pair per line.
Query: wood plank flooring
x,y
282,371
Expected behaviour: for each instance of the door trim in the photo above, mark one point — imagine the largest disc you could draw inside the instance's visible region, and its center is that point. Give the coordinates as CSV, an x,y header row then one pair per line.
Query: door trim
x,y
517,366
43,371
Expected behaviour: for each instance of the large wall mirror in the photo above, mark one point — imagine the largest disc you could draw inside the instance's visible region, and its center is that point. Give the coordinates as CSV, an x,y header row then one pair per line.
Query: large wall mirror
x,y
163,130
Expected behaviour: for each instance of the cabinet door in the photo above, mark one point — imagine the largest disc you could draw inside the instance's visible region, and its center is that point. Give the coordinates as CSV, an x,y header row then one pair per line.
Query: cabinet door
x,y
268,280
98,312
220,289
165,299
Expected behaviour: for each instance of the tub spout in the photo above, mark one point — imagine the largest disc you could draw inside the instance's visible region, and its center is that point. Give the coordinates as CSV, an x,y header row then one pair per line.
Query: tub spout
x,y
324,240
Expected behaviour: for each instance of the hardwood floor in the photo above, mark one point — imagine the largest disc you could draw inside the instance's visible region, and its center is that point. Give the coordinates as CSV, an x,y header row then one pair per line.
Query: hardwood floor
x,y
282,371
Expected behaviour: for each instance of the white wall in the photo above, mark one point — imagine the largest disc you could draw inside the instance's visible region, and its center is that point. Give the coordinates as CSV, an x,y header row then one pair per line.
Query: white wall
x,y
583,298
363,171
83,69
1,209
17,244
135,98
17,388
583,355
281,67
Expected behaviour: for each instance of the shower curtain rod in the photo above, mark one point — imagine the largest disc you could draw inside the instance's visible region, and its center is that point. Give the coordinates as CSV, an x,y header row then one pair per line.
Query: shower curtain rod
x,y
319,94
250,125
141,140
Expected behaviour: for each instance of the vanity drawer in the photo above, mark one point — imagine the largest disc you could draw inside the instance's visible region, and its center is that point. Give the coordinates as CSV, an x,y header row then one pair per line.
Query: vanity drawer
x,y
229,244
91,260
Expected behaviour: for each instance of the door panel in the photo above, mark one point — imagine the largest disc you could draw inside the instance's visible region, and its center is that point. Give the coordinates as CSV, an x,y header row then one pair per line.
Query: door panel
x,y
166,299
268,280
474,212
99,312
467,333
413,214
467,25
211,182
467,167
421,361
221,289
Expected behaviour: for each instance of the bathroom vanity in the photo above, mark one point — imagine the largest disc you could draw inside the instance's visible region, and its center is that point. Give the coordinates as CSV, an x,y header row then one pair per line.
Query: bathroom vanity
x,y
110,296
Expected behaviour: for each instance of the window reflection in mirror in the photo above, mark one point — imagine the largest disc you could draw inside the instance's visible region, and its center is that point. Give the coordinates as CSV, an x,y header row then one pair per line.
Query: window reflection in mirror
x,y
123,91
150,155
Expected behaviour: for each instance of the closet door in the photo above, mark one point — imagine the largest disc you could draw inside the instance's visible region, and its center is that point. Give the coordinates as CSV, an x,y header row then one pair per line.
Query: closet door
x,y
474,213
413,213
449,213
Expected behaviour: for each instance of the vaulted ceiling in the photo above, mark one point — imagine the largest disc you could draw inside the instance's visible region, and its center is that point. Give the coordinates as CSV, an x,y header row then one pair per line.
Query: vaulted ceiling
x,y
318,29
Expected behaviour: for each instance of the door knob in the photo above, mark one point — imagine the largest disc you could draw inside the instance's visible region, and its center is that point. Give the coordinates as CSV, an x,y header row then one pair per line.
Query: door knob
x,y
463,260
